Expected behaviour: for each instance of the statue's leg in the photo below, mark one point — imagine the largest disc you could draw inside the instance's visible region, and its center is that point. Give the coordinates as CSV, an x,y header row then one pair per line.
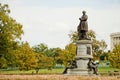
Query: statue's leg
x,y
82,34
79,35
85,36
65,71
94,72
90,69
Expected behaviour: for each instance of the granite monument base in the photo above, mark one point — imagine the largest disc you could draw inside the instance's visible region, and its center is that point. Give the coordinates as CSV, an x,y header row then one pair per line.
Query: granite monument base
x,y
84,53
79,71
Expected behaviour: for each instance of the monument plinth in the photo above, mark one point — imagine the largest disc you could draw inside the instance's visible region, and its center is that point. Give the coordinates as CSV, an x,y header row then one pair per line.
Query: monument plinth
x,y
84,53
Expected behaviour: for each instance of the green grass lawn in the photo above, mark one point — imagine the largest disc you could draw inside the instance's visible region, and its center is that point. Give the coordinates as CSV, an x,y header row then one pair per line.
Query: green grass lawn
x,y
41,71
106,70
101,70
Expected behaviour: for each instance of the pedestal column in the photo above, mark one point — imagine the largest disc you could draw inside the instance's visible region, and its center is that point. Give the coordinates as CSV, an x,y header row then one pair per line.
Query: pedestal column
x,y
84,52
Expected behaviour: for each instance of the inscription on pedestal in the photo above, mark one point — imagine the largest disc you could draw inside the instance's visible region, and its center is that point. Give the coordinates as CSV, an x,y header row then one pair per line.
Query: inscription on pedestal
x,y
81,50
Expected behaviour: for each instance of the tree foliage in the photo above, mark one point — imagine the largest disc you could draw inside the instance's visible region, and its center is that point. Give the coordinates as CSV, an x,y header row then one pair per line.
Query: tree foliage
x,y
46,57
114,57
68,54
44,62
41,48
3,62
55,54
98,47
26,59
10,33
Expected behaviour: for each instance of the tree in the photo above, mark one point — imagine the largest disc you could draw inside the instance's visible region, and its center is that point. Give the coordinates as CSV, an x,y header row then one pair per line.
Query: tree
x,y
55,54
26,58
73,36
10,33
46,57
3,62
68,54
114,57
44,62
98,47
104,56
41,48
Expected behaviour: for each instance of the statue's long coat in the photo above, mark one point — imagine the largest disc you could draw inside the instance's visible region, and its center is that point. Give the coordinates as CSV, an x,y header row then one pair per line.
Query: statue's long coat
x,y
83,23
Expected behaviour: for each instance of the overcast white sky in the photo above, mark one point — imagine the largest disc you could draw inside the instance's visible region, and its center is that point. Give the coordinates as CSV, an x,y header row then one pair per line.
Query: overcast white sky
x,y
50,21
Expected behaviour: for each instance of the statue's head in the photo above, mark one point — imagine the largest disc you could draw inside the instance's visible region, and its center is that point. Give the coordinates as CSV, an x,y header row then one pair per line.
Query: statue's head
x,y
84,12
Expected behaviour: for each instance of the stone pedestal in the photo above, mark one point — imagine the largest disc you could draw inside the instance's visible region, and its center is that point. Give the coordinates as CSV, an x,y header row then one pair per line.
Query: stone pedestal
x,y
84,52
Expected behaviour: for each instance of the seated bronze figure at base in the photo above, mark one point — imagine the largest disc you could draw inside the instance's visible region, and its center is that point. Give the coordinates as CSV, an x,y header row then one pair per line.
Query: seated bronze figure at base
x,y
72,66
92,66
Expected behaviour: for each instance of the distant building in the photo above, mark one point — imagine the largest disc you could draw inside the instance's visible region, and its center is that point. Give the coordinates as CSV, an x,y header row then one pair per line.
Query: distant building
x,y
115,39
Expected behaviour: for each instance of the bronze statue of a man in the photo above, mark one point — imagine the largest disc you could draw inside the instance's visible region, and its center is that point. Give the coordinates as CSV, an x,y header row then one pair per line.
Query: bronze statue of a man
x,y
83,27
